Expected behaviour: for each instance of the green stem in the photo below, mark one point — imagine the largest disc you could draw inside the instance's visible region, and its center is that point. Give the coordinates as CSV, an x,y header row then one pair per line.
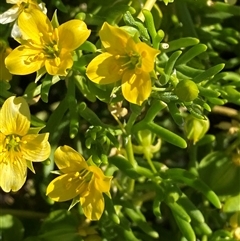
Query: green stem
x,y
24,214
129,151
131,122
148,5
150,163
193,163
131,159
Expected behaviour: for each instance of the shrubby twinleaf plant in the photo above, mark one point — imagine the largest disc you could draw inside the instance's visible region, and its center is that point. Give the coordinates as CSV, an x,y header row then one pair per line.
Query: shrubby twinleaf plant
x,y
148,92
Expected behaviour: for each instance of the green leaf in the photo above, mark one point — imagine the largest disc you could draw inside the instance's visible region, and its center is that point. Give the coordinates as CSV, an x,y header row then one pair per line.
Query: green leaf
x,y
191,53
193,181
169,67
167,135
138,218
175,113
181,43
59,5
185,228
11,228
191,209
208,73
123,164
45,87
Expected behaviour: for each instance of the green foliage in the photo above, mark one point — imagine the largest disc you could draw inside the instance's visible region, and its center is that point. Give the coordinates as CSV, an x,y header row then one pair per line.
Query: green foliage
x,y
188,189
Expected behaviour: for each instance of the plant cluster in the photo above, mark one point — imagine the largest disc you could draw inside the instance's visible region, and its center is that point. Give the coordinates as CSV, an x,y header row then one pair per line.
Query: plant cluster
x,y
126,115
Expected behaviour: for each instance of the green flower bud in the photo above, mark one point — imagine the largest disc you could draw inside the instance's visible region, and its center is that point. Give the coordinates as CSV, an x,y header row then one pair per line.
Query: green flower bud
x,y
195,128
146,147
186,90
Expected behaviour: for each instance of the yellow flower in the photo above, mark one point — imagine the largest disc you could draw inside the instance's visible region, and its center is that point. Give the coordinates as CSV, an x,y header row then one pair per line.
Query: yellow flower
x,y
4,52
20,145
44,45
124,60
19,5
79,180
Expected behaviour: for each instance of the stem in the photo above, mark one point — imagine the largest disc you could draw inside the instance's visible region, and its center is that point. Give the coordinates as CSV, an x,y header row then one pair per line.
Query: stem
x,y
150,163
193,163
129,151
24,214
148,5
130,122
131,159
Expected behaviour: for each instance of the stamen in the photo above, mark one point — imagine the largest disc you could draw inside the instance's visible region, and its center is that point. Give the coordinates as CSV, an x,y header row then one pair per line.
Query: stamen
x,y
77,174
55,47
55,35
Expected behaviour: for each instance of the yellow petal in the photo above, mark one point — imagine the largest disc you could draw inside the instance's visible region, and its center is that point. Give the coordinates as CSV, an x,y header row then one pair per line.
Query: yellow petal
x,y
102,183
148,56
114,39
68,160
136,88
15,116
22,60
66,187
72,34
13,171
35,147
60,65
35,25
104,69
93,204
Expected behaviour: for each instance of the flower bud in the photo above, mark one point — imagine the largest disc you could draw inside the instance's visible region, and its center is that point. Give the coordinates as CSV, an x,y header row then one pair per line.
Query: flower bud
x,y
195,128
186,90
146,139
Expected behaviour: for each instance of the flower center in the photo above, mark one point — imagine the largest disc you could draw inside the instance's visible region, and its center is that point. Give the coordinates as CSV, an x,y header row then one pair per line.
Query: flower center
x,y
12,143
84,177
130,61
48,48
